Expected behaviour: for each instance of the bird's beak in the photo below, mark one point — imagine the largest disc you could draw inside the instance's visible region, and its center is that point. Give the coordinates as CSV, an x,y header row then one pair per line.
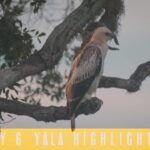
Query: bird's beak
x,y
114,37
112,48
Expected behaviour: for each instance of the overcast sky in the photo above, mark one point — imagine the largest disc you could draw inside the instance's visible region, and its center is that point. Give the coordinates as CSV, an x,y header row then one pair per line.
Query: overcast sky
x,y
120,108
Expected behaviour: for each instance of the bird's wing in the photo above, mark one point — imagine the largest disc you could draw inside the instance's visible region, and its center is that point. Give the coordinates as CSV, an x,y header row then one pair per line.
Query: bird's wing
x,y
85,68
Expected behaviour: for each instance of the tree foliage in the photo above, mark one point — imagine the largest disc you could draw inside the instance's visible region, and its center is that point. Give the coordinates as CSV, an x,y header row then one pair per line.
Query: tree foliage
x,y
17,43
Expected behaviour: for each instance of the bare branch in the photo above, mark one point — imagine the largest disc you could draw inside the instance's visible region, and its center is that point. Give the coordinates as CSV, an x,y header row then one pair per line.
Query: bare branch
x,y
47,114
91,106
132,84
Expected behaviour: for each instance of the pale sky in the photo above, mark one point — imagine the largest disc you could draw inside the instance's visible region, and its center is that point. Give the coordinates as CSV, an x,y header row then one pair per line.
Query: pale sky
x,y
120,108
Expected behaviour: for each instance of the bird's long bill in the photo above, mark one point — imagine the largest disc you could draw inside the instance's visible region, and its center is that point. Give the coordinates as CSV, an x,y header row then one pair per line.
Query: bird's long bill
x,y
112,48
115,39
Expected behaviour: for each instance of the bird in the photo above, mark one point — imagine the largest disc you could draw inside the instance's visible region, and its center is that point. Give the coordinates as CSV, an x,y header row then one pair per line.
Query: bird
x,y
87,69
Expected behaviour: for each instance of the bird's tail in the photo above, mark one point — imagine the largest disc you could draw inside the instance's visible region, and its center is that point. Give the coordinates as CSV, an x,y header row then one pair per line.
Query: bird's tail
x,y
73,122
73,116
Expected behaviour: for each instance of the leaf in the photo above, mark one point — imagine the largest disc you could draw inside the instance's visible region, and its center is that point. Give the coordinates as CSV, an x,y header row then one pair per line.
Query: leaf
x,y
19,22
7,94
25,29
39,40
42,34
13,98
17,84
10,116
37,32
16,91
32,3
32,30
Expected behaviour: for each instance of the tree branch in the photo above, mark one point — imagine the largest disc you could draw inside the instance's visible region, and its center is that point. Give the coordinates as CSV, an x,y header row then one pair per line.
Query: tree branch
x,y
91,106
132,84
52,50
47,114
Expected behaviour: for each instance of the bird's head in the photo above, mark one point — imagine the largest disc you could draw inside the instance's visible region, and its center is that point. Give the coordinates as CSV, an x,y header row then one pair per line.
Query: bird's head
x,y
103,34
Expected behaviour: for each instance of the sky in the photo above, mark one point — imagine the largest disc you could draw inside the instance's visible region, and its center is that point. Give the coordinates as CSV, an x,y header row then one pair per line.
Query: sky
x,y
120,109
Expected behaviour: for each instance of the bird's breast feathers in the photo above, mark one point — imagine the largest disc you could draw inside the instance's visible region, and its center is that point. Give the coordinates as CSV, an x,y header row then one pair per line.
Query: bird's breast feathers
x,y
85,73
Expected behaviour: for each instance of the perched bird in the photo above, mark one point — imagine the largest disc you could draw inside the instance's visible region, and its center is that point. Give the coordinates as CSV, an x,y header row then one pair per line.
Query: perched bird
x,y
87,69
